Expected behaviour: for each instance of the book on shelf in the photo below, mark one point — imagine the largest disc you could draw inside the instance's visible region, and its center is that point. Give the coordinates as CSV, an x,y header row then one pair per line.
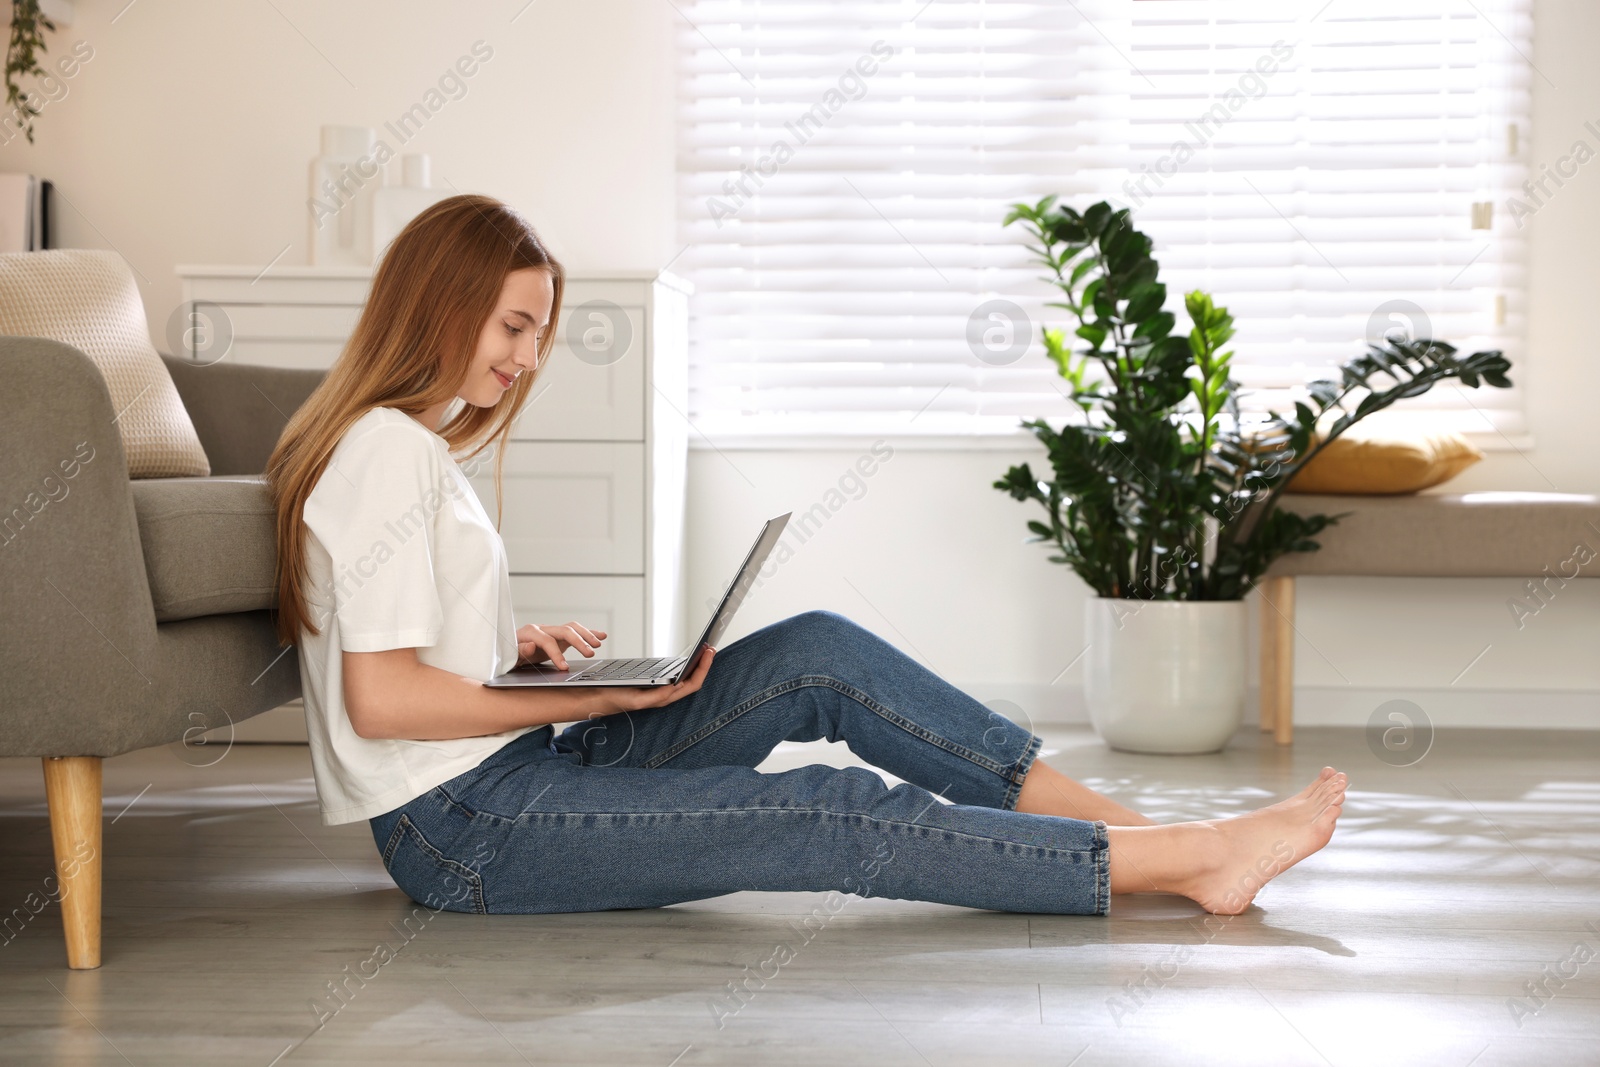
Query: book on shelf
x,y
25,213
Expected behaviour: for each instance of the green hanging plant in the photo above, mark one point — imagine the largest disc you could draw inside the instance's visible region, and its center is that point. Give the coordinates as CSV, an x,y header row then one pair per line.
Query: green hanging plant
x,y
28,26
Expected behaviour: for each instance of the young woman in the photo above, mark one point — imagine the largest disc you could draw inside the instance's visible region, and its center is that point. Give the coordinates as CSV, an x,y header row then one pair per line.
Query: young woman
x,y
394,584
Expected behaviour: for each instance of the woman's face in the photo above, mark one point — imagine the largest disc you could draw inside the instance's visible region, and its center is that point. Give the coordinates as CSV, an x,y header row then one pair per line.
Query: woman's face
x,y
508,343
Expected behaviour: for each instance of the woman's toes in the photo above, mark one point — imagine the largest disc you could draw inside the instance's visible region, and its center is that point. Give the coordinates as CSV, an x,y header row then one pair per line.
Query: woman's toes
x,y
1327,779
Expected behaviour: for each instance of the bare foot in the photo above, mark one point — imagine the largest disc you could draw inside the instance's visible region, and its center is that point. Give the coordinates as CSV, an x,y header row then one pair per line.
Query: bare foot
x,y
1221,864
1247,852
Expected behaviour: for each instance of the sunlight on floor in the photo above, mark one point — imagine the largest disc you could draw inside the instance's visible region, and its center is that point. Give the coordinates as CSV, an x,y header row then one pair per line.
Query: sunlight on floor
x,y
1439,927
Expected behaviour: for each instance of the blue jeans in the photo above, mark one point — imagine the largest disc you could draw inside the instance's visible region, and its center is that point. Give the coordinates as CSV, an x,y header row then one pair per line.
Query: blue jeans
x,y
643,809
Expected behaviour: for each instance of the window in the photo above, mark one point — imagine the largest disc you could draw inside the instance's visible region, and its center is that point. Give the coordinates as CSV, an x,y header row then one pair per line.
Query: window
x,y
845,168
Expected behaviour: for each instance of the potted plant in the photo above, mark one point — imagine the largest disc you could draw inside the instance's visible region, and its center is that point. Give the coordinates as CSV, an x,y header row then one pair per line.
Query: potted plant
x,y
1162,496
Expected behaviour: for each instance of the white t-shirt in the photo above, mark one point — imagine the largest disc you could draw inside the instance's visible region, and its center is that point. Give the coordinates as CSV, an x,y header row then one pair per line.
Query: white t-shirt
x,y
399,554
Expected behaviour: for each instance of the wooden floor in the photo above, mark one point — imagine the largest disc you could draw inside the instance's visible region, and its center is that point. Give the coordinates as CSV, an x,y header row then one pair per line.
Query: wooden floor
x,y
1453,889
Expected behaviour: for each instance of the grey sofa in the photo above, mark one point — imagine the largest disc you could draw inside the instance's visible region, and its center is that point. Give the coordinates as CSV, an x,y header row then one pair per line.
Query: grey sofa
x,y
134,610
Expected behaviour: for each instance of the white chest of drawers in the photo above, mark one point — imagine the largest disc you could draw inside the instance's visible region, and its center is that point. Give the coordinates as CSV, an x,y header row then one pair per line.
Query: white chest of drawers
x,y
594,475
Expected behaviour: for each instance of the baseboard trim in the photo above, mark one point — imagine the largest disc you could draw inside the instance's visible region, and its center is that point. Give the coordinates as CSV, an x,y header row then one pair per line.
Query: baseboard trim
x,y
1536,709
1508,709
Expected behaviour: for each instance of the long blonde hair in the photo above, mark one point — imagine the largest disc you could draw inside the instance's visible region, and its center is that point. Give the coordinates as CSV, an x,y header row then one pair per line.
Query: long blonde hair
x,y
412,348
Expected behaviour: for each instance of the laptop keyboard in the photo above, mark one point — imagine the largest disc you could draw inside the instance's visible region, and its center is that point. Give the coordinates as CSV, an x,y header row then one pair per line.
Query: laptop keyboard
x,y
615,669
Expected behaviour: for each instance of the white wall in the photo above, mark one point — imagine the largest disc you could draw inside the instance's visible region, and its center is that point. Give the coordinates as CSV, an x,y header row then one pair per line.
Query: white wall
x,y
930,556
186,138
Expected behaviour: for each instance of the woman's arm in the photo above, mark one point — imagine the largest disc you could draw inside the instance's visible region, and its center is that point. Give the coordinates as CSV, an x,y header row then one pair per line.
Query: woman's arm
x,y
394,695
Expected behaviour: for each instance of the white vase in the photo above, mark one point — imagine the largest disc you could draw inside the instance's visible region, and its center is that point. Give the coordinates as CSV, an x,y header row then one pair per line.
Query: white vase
x,y
343,180
395,205
1165,676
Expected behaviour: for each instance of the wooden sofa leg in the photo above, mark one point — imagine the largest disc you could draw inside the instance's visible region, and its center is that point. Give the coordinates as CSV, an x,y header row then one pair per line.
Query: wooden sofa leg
x,y
72,787
1277,658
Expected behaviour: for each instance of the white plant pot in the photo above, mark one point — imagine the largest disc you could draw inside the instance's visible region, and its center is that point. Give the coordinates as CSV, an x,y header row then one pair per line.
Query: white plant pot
x,y
1165,676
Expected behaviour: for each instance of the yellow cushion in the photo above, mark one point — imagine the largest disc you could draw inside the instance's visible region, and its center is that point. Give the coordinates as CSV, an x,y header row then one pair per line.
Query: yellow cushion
x,y
1385,462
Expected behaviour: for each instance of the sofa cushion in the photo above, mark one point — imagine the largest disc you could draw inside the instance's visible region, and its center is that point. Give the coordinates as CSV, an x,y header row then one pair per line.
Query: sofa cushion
x,y
87,298
1470,535
209,545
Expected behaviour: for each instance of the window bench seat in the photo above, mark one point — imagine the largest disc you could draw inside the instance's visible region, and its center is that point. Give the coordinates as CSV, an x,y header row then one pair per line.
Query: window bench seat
x,y
1546,537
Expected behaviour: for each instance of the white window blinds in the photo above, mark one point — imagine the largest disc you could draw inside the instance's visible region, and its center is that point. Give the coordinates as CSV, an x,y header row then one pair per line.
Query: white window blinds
x,y
1330,193
844,169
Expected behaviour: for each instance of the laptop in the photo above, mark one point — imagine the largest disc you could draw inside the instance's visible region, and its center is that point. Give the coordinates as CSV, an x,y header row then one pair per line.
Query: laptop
x,y
663,670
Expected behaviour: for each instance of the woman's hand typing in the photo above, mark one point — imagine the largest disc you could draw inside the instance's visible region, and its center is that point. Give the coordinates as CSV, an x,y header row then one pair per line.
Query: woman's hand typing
x,y
537,644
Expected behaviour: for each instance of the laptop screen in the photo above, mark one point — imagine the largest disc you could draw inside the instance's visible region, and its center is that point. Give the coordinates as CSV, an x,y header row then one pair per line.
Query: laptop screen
x,y
740,586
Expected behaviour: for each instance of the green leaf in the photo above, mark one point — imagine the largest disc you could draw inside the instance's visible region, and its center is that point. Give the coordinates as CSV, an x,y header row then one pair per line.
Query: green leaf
x,y
1156,326
1145,300
1325,393
1095,219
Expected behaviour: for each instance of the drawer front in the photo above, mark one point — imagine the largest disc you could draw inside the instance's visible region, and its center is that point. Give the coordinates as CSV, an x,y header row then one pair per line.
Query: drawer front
x,y
290,322
593,387
570,508
615,605
306,336
273,287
